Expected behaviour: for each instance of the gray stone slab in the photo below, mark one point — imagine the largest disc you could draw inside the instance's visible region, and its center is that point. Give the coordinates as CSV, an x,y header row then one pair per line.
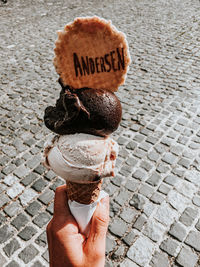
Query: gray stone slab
x,y
118,227
28,253
193,240
27,233
160,259
140,252
188,216
171,246
178,231
11,247
187,257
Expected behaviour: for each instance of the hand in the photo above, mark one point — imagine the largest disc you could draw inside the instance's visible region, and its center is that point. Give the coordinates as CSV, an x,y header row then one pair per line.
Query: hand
x,y
68,247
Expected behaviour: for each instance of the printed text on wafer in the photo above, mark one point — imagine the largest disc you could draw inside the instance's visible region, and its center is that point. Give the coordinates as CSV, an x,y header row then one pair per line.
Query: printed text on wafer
x,y
113,61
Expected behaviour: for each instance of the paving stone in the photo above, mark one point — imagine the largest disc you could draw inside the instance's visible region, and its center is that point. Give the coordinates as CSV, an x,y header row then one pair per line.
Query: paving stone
x,y
2,219
110,243
157,198
188,216
118,227
177,200
130,237
10,179
45,255
21,171
184,162
164,189
171,179
13,264
141,251
154,230
162,168
28,253
114,208
27,233
57,183
4,200
42,219
178,231
42,239
6,232
193,176
193,240
119,253
39,185
153,155
20,221
187,257
47,196
165,214
171,246
122,197
27,196
160,259
13,209
138,201
15,190
140,222
40,169
33,208
8,169
129,214
169,158
186,188
30,178
50,208
146,190
118,180
132,185
11,247
154,179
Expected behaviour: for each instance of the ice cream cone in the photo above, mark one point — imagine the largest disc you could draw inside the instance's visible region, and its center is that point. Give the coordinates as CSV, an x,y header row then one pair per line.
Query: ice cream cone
x,y
84,192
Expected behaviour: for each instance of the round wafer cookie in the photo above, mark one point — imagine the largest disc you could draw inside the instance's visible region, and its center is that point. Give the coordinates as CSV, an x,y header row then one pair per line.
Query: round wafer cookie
x,y
91,52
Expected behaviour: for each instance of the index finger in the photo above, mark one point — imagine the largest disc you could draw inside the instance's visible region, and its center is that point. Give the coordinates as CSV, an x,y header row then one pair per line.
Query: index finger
x,y
61,202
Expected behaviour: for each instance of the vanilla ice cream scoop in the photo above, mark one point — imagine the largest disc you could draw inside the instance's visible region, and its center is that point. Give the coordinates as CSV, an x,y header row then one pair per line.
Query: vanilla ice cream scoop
x,y
81,157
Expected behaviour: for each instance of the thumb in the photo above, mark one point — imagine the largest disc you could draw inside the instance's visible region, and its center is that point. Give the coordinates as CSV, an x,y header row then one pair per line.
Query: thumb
x,y
99,223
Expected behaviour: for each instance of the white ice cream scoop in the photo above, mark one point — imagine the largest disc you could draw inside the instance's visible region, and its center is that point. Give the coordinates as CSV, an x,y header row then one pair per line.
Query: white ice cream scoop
x,y
81,157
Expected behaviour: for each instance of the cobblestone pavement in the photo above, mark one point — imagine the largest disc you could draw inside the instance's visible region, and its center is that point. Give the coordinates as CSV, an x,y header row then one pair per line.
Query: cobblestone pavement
x,y
155,197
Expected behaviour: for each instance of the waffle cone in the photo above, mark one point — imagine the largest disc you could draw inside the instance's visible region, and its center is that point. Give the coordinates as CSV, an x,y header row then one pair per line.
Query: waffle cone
x,y
84,193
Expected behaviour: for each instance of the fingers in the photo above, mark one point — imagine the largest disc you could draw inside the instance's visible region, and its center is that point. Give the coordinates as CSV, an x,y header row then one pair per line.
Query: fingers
x,y
62,216
61,202
99,224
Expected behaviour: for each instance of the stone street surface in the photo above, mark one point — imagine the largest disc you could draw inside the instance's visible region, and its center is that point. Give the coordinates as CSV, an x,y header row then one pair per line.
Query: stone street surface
x,y
155,196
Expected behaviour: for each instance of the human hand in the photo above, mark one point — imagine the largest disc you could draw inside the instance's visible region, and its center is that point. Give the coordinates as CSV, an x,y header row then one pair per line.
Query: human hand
x,y
67,246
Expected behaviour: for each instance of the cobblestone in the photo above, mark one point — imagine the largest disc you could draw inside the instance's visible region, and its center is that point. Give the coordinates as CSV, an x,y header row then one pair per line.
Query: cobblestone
x,y
11,247
188,216
159,135
178,231
187,258
193,240
170,246
140,251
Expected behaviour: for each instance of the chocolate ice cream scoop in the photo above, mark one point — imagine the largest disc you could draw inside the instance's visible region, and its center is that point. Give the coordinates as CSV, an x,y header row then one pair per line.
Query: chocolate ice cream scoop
x,y
85,110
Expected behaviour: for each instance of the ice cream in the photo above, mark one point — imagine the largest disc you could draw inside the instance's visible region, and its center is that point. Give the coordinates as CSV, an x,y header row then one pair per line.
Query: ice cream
x,y
81,157
92,59
85,110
